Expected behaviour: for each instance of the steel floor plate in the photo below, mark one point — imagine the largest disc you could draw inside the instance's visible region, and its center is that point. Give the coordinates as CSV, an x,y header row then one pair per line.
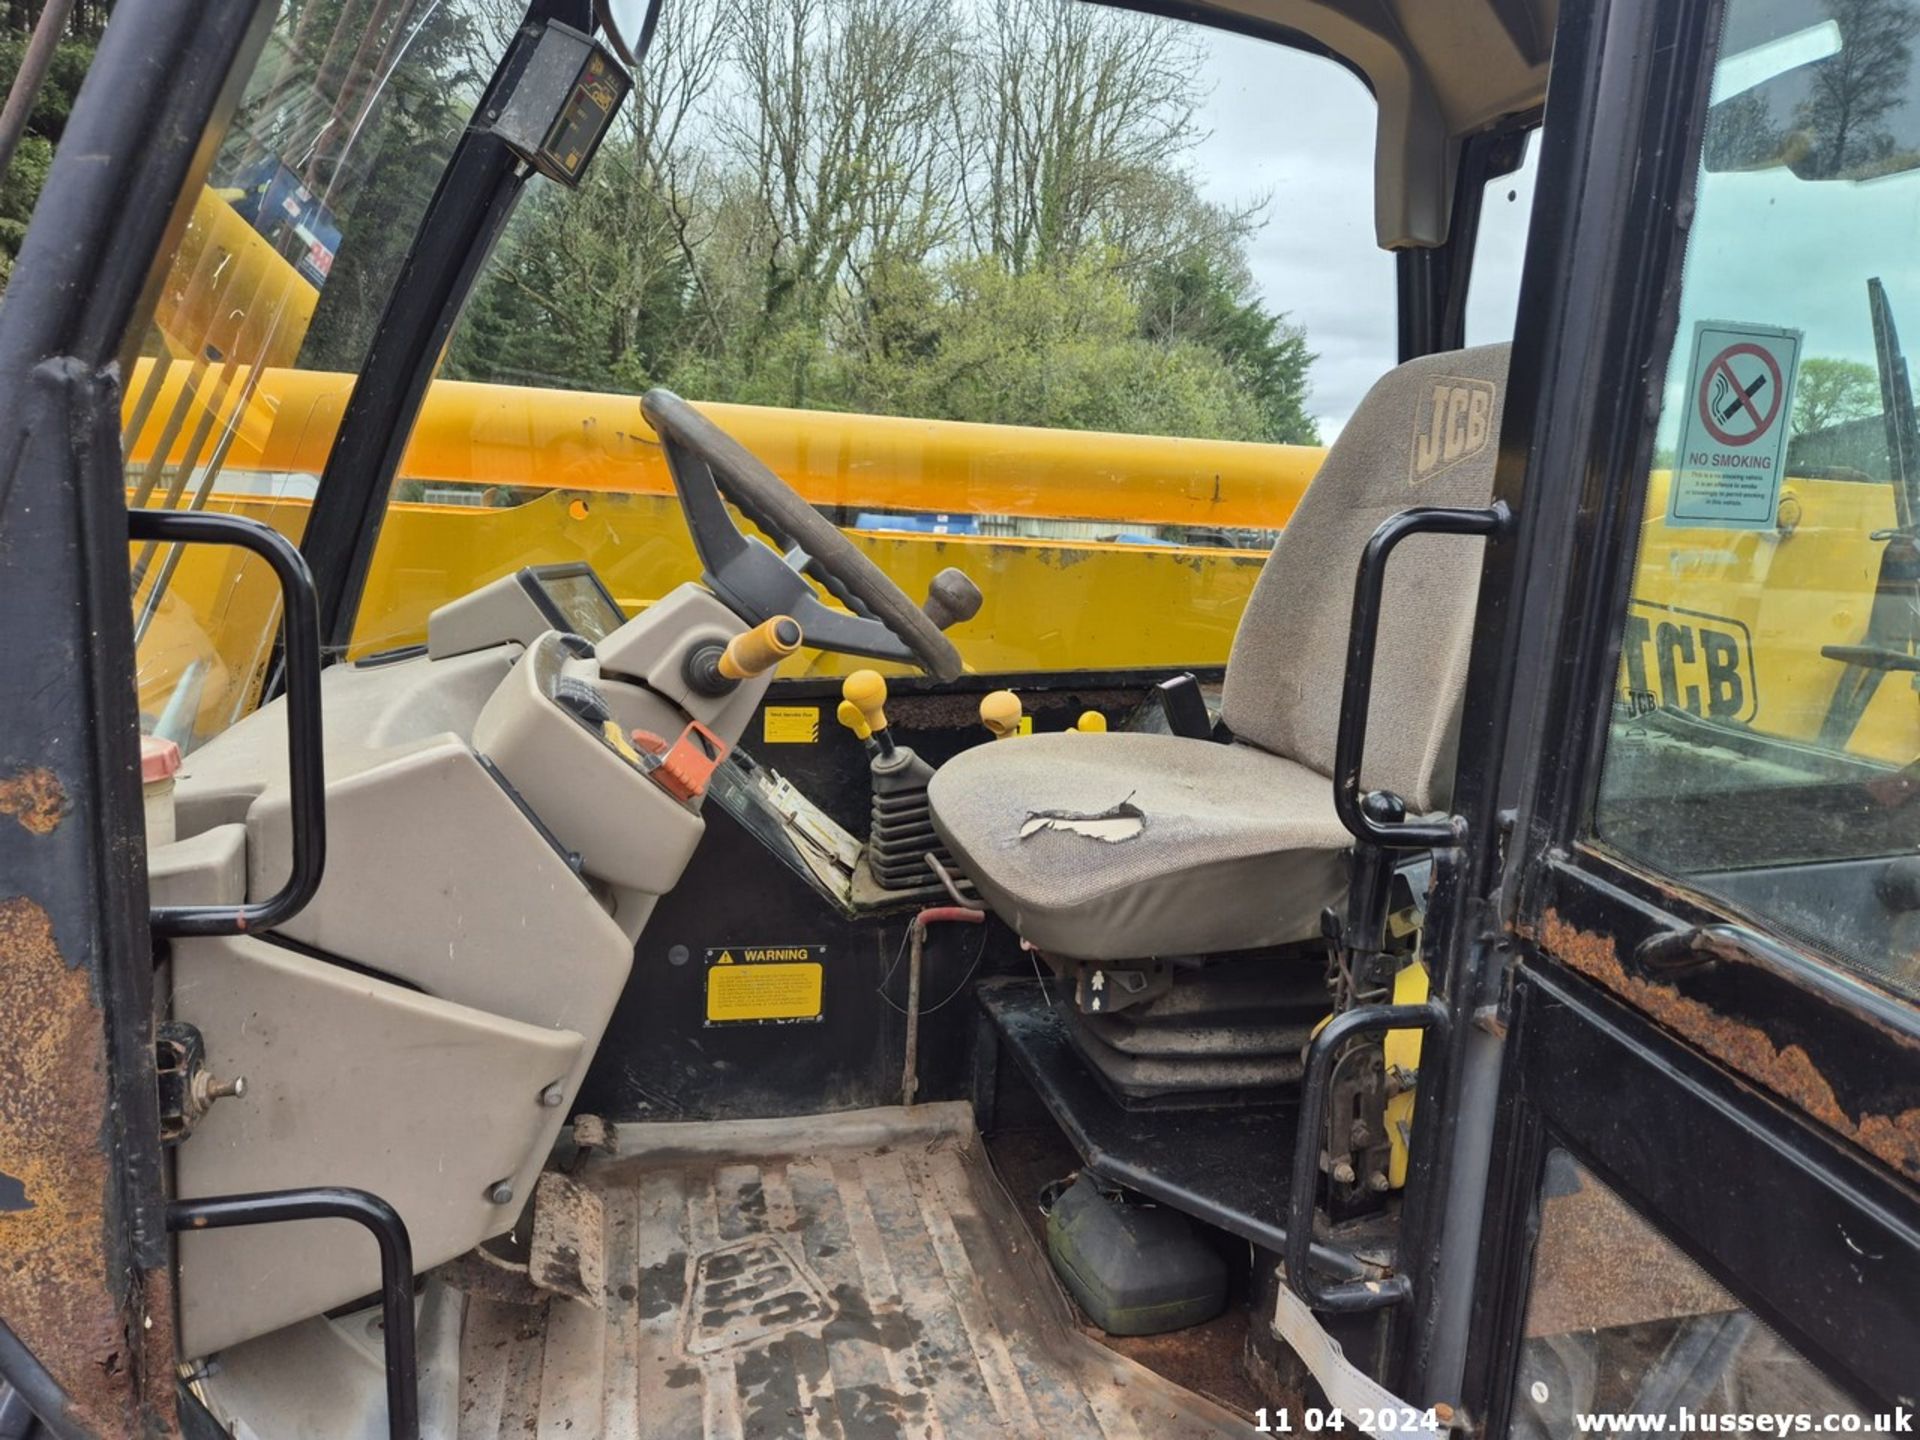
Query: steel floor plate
x,y
849,1278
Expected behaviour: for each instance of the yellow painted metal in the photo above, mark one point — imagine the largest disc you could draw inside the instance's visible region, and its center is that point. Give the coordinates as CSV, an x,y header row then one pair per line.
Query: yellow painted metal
x,y
1060,605
1402,1055
1050,605
1778,596
229,293
516,439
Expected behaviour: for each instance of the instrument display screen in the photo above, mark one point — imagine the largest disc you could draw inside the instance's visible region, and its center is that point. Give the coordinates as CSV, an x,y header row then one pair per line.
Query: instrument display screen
x,y
574,599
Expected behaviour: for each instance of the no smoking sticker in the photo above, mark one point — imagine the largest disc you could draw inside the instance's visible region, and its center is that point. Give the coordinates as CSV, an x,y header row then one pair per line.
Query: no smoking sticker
x,y
1734,432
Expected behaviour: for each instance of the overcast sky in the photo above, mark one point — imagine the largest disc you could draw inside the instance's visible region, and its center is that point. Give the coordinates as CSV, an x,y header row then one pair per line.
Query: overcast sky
x,y
1300,129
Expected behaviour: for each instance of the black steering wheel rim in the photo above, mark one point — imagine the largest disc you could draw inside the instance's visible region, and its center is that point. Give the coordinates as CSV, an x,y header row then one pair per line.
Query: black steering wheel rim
x,y
706,463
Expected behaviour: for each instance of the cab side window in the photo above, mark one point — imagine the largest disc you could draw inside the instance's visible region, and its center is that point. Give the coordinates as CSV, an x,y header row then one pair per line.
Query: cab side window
x,y
1767,722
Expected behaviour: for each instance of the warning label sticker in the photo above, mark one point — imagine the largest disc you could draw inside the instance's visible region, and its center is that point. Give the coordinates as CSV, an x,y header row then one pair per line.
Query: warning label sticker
x,y
790,724
764,984
1734,430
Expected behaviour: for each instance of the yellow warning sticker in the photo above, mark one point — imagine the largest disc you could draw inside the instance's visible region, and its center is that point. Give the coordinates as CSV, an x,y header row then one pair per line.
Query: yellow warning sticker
x,y
768,984
790,724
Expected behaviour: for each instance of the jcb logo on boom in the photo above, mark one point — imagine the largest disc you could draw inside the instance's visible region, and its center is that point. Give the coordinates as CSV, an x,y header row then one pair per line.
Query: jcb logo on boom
x,y
1458,428
1676,659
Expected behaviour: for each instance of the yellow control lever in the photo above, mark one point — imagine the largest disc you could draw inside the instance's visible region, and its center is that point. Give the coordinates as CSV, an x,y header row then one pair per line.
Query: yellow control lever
x,y
1091,722
849,715
1000,713
867,693
761,648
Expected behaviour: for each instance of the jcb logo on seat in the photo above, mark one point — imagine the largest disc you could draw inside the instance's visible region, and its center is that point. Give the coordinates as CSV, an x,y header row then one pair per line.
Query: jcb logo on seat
x,y
1458,428
1675,659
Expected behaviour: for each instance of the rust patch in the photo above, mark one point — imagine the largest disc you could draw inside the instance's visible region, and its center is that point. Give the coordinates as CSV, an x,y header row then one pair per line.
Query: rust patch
x,y
1788,1071
55,1288
35,798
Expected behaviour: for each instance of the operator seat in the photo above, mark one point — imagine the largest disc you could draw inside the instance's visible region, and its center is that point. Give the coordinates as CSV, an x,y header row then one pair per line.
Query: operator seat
x,y
1237,845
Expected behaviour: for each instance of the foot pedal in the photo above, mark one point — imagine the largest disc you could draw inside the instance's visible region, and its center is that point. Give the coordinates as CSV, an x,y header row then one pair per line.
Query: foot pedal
x,y
567,1252
591,1136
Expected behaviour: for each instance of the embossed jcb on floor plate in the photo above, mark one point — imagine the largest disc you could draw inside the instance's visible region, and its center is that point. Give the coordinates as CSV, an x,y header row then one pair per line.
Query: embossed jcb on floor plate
x,y
749,1291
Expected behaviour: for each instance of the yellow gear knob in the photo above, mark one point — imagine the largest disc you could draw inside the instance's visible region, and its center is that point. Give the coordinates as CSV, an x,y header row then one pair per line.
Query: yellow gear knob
x,y
849,715
866,691
1000,713
1091,722
761,648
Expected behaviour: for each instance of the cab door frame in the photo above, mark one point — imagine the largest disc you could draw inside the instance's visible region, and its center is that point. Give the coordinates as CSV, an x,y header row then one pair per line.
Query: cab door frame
x,y
86,1318
1543,960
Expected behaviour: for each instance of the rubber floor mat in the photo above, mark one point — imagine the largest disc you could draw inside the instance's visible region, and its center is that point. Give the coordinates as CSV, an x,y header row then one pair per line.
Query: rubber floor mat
x,y
848,1278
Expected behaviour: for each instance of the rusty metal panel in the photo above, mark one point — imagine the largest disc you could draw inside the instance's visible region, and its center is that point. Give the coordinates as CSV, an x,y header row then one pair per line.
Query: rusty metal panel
x,y
1778,1057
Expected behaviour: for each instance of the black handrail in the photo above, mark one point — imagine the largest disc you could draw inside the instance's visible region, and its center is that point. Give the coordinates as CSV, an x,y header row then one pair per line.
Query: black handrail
x,y
1356,699
34,1384
1353,1295
306,773
396,1269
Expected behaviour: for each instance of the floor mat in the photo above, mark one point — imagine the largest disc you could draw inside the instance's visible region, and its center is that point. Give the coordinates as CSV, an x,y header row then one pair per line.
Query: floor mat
x,y
847,1278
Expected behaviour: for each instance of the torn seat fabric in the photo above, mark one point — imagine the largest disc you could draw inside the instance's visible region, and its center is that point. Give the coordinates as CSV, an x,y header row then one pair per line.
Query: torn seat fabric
x,y
1236,848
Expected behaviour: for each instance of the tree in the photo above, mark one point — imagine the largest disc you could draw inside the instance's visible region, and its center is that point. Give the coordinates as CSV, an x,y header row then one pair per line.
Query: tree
x,y
1207,301
1830,392
1853,90
840,160
1084,119
1741,134
20,186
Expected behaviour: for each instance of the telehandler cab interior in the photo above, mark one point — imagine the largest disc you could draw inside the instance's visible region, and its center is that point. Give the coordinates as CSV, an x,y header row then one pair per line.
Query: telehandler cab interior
x,y
531,913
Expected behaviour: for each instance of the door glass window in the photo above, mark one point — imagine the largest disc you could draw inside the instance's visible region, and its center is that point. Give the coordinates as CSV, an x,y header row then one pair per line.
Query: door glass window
x,y
1051,292
1506,210
1620,1323
266,308
1767,723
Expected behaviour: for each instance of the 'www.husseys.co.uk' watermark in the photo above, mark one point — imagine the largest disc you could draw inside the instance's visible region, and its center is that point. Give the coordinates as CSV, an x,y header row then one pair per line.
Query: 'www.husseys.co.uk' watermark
x,y
1743,1422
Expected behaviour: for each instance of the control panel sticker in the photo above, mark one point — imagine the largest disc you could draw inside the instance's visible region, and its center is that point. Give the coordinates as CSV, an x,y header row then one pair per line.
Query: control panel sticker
x,y
790,724
764,984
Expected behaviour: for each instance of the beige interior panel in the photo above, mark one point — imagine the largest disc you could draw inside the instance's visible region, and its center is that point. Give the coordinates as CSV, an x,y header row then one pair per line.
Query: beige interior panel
x,y
655,654
366,708
435,876
627,829
350,1081
487,617
205,869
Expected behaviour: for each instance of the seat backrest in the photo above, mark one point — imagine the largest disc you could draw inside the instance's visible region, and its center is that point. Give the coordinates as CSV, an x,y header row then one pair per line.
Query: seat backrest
x,y
1426,434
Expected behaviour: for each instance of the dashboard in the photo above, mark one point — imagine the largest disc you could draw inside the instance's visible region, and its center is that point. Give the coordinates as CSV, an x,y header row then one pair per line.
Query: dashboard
x,y
523,606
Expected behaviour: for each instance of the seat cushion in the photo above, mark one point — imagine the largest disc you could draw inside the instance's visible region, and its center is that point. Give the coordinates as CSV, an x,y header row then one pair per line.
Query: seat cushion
x,y
1234,848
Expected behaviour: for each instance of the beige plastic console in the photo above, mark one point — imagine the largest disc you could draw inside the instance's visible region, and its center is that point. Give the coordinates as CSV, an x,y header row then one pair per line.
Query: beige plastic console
x,y
437,876
624,827
350,1081
492,859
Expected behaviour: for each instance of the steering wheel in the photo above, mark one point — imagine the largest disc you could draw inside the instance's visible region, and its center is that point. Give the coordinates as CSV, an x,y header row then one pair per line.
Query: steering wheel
x,y
757,582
